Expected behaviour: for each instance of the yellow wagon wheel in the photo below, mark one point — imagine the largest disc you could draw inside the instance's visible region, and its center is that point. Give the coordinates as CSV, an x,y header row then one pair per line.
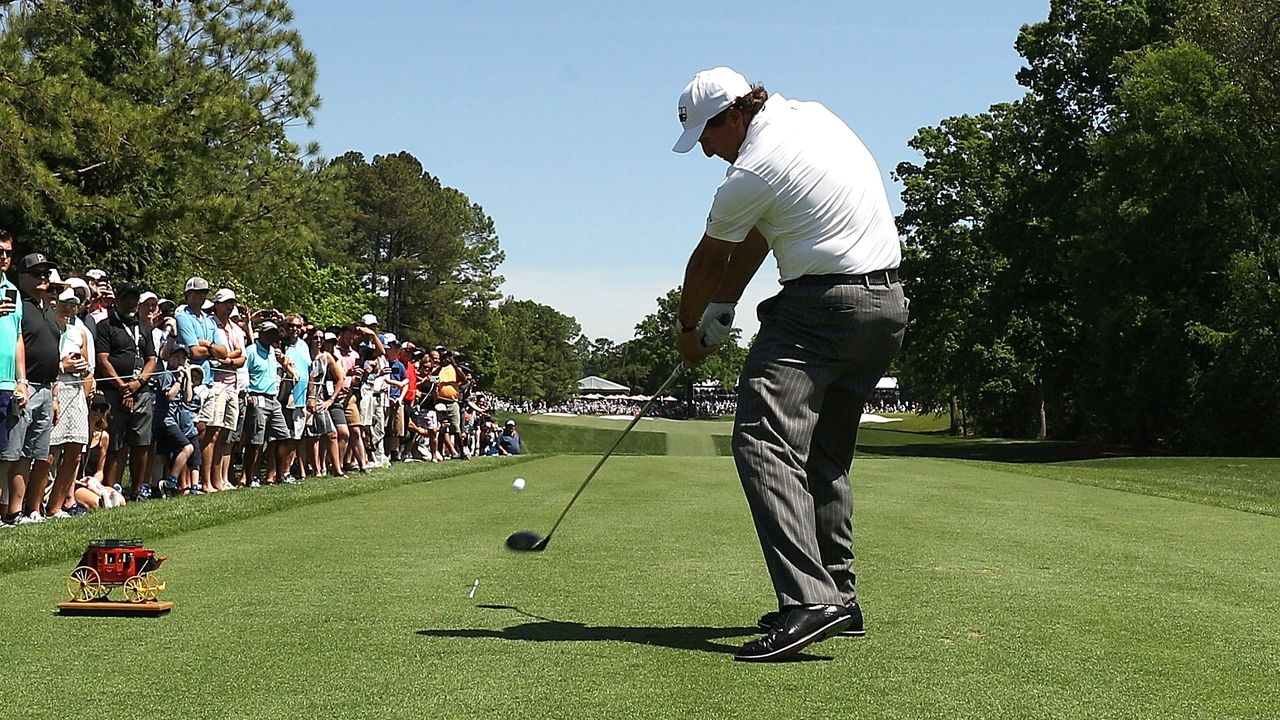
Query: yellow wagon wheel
x,y
84,584
153,586
135,589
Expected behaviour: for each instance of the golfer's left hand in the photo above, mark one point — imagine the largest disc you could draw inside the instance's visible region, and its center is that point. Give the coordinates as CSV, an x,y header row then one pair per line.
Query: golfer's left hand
x,y
692,351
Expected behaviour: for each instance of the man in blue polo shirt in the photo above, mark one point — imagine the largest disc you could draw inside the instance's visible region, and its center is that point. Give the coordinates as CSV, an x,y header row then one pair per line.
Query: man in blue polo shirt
x,y
265,421
198,333
10,339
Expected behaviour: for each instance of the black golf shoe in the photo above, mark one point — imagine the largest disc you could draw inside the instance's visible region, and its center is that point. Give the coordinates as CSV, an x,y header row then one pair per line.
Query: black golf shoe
x,y
799,628
769,619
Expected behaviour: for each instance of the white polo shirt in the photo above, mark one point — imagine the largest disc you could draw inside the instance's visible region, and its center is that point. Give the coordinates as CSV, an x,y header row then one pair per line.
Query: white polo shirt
x,y
813,189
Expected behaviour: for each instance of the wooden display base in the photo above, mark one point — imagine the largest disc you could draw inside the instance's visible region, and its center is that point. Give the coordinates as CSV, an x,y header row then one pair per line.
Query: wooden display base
x,y
116,609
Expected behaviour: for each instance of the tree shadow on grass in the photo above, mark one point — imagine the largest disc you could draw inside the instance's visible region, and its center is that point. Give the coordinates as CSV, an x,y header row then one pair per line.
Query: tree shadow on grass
x,y
902,443
701,639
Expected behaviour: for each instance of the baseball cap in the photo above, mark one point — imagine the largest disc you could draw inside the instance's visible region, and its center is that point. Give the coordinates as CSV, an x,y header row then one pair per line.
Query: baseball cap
x,y
224,295
389,339
166,301
706,95
69,296
266,326
78,284
208,305
511,423
148,295
196,284
441,406
34,260
96,275
368,319
55,278
330,336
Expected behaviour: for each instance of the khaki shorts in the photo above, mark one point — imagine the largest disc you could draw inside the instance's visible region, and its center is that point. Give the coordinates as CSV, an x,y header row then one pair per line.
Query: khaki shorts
x,y
221,407
352,410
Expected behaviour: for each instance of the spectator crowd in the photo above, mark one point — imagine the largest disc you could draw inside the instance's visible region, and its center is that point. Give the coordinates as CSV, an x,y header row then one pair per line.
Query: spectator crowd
x,y
204,395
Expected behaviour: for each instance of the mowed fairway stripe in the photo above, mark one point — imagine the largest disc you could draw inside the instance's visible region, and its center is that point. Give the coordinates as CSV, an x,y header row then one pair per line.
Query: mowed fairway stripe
x,y
988,594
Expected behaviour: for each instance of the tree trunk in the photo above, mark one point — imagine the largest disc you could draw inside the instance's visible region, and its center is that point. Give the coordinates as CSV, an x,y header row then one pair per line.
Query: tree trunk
x,y
955,416
1042,431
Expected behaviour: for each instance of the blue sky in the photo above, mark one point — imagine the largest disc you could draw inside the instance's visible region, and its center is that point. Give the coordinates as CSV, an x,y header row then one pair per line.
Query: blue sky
x,y
558,117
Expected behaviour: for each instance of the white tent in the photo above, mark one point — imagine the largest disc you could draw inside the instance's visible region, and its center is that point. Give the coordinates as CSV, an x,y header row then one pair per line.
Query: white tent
x,y
887,383
594,383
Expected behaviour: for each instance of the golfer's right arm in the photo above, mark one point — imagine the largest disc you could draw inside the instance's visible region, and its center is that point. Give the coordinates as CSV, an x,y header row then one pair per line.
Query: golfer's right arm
x,y
743,264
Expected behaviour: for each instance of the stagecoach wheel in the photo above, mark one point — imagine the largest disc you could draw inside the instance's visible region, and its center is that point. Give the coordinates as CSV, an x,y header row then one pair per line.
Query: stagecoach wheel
x,y
83,584
135,589
152,586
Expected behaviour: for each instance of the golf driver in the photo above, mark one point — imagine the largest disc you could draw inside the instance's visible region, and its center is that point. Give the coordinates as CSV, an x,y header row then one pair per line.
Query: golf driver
x,y
530,541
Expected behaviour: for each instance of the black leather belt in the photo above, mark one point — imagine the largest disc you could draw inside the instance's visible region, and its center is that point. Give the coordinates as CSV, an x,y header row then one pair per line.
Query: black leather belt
x,y
879,277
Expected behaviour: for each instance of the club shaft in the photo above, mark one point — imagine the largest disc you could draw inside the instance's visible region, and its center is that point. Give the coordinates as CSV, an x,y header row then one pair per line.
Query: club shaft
x,y
643,411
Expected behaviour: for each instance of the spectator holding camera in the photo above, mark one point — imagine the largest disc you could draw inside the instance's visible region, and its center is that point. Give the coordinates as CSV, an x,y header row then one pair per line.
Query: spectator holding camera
x,y
329,422
10,338
75,385
447,382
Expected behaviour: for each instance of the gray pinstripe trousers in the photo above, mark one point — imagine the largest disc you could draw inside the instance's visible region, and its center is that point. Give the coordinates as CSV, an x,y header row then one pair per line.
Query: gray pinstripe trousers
x,y
817,357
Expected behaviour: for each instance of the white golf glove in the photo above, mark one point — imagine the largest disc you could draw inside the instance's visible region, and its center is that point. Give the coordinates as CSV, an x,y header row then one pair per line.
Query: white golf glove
x,y
716,322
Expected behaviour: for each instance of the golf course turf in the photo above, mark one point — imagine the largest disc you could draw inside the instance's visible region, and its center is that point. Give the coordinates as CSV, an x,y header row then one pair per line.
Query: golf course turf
x,y
992,589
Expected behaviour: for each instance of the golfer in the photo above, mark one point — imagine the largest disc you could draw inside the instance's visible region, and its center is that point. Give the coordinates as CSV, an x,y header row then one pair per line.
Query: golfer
x,y
800,183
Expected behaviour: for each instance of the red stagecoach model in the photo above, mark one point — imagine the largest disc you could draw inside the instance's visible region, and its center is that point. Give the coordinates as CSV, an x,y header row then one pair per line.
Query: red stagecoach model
x,y
108,564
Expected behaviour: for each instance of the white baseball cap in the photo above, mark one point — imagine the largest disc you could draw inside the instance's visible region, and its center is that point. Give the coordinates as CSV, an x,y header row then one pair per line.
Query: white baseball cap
x,y
706,95
197,284
224,295
148,295
368,319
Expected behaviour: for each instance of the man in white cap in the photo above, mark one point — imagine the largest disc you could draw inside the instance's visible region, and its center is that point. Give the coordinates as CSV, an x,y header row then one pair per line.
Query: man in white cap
x,y
199,335
225,401
800,183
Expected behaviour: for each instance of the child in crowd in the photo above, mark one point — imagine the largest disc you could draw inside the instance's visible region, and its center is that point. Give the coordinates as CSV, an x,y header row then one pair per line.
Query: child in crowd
x,y
90,492
174,426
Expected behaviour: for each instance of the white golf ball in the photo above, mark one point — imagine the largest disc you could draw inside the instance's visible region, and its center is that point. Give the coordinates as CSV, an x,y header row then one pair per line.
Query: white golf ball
x,y
518,484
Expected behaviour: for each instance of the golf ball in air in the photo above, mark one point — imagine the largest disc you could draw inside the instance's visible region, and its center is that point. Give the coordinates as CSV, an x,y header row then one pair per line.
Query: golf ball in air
x,y
518,484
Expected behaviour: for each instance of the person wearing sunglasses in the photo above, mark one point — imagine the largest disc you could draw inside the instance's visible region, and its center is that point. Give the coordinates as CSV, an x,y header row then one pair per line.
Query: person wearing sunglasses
x,y
26,455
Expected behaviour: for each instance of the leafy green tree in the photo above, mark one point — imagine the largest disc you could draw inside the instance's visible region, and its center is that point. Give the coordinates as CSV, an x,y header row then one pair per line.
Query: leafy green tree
x,y
423,248
648,358
534,352
153,137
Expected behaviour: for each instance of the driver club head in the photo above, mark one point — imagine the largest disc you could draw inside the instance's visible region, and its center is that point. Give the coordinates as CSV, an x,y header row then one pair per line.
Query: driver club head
x,y
527,541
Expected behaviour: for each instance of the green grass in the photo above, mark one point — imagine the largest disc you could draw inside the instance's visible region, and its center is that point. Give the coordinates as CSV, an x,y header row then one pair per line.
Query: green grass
x,y
547,436
911,422
1021,589
1248,484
